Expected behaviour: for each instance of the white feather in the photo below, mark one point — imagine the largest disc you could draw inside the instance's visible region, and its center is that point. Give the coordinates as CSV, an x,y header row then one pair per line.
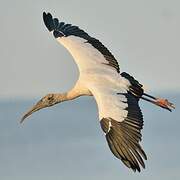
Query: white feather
x,y
85,55
101,80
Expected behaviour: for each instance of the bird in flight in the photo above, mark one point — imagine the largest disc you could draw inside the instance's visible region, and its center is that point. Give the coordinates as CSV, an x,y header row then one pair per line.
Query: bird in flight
x,y
117,94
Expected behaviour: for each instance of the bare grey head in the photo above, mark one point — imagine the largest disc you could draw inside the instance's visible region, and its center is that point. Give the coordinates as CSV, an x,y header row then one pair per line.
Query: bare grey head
x,y
46,101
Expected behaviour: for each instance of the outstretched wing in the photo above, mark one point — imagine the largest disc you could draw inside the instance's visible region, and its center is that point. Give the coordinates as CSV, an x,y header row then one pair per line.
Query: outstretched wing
x,y
121,120
120,116
88,52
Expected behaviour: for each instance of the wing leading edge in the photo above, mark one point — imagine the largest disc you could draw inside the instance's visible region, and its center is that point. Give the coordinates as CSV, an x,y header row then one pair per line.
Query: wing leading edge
x,y
61,29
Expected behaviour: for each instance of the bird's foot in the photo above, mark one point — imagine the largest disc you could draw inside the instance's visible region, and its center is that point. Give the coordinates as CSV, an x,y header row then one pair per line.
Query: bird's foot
x,y
164,103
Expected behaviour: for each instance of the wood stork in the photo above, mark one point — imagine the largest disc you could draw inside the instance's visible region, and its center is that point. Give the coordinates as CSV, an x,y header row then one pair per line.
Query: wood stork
x,y
117,95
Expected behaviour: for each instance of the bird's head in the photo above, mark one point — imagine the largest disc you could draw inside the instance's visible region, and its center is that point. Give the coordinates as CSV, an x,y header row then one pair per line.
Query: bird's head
x,y
46,101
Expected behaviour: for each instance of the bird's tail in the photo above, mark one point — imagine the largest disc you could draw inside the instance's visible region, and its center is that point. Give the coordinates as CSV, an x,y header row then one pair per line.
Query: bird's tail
x,y
137,90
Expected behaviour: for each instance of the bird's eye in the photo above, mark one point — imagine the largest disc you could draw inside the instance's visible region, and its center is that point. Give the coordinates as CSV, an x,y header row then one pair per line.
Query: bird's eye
x,y
49,98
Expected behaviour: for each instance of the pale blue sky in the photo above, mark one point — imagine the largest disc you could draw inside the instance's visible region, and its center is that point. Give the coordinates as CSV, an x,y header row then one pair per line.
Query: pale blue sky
x,y
143,35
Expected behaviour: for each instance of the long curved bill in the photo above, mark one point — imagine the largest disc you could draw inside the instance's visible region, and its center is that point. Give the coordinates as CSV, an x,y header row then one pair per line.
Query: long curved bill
x,y
35,108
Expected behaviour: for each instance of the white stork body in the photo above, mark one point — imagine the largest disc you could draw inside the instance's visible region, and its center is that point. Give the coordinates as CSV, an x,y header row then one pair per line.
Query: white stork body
x,y
95,75
117,95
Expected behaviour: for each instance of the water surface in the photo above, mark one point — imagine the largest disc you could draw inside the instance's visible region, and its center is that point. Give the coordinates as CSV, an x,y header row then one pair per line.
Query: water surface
x,y
66,142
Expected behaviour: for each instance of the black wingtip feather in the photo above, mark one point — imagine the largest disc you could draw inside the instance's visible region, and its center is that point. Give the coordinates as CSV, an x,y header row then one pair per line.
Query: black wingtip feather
x,y
48,21
123,140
